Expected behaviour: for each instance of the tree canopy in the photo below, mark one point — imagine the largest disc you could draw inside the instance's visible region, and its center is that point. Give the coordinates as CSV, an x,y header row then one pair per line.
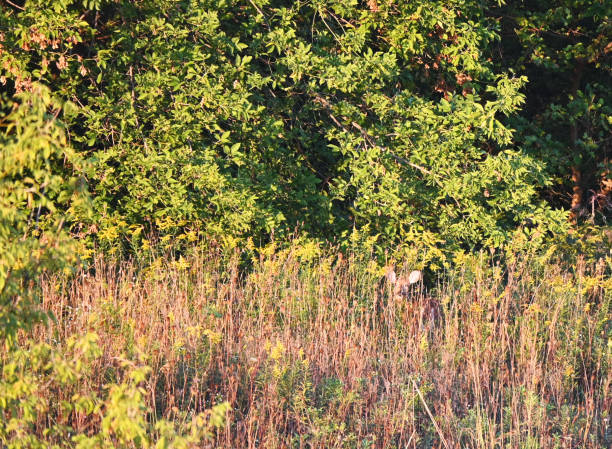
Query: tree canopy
x,y
445,123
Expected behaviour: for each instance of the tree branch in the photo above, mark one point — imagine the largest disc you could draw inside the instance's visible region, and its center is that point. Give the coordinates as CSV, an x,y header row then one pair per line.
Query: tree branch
x,y
14,5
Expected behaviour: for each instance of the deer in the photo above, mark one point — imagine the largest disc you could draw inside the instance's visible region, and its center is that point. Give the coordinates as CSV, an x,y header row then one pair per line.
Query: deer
x,y
401,285
409,287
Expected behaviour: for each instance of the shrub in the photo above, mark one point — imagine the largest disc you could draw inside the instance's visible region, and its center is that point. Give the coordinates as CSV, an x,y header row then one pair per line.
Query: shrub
x,y
254,118
42,190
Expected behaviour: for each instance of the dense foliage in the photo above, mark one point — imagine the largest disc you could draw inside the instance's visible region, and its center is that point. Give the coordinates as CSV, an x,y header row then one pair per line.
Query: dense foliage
x,y
41,190
564,48
402,120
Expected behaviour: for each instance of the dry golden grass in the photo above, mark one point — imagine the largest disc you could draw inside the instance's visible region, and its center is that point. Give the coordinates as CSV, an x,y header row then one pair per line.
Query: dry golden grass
x,y
322,355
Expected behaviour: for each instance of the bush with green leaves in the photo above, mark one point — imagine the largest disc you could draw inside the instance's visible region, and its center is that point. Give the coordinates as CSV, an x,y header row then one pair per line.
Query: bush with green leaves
x,y
254,118
42,191
35,375
43,196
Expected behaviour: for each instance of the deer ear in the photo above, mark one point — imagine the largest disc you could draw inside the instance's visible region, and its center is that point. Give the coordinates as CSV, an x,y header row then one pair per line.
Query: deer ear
x,y
415,276
391,276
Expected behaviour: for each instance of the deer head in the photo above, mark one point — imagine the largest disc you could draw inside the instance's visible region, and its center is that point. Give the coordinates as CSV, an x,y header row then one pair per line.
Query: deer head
x,y
401,284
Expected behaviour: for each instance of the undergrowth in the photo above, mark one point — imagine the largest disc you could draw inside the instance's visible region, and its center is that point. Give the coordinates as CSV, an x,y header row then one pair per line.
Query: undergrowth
x,y
317,352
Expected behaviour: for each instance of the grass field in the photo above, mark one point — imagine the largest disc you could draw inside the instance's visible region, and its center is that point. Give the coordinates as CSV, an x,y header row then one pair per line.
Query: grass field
x,y
322,354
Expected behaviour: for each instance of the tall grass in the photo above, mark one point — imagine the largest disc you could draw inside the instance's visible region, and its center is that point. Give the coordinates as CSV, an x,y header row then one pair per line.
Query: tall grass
x,y
321,354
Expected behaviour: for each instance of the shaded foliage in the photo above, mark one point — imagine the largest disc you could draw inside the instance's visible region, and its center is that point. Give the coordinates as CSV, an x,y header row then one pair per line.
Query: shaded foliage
x,y
564,48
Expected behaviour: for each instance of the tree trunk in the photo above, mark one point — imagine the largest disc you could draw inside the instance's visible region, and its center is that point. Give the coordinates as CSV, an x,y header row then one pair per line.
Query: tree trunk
x,y
577,186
